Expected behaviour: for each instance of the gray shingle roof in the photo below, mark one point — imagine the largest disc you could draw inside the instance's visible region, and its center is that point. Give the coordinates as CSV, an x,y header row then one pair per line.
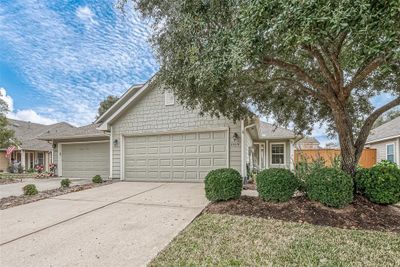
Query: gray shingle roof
x,y
270,131
27,133
387,130
308,140
74,132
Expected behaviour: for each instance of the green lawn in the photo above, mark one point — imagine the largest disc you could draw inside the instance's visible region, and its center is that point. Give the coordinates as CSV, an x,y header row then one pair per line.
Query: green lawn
x,y
225,240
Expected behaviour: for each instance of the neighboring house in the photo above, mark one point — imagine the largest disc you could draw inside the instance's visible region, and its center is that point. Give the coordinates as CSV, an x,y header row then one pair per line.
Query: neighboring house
x,y
386,140
307,142
148,136
31,151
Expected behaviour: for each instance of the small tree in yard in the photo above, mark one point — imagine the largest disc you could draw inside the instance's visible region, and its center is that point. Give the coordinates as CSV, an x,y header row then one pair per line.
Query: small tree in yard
x,y
301,62
106,104
6,135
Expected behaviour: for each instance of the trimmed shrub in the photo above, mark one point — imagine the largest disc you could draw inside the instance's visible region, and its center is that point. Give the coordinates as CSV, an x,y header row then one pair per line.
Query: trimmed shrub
x,y
330,186
65,182
223,184
361,179
30,190
277,185
97,179
380,184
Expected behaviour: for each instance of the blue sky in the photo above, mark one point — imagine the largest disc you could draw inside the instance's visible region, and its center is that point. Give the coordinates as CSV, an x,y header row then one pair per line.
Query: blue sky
x,y
60,58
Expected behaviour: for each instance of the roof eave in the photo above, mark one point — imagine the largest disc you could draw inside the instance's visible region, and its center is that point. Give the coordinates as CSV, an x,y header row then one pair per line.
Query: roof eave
x,y
382,139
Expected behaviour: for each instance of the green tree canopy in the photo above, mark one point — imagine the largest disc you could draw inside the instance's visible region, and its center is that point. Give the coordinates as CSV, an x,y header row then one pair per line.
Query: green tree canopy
x,y
106,104
301,62
6,135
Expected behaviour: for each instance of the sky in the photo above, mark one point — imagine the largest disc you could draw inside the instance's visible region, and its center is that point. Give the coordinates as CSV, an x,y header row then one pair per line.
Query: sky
x,y
59,59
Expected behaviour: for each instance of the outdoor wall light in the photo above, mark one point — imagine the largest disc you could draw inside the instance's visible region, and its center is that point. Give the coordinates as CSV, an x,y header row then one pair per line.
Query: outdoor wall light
x,y
236,137
115,142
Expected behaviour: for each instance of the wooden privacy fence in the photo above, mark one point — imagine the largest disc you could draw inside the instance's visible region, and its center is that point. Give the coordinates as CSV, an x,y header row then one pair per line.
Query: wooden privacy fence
x,y
367,160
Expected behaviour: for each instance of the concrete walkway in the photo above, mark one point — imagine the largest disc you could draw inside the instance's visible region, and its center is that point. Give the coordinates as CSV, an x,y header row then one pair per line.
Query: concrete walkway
x,y
122,224
15,189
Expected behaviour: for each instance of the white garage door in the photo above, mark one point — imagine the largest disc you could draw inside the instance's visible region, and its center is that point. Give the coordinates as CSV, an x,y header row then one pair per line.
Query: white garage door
x,y
86,160
175,157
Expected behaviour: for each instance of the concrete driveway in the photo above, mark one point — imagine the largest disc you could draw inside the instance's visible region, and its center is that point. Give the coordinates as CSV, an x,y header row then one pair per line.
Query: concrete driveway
x,y
121,224
15,189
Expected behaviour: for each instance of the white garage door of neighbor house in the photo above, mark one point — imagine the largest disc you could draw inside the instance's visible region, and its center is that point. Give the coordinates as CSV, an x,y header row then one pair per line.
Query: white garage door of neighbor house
x,y
86,160
175,157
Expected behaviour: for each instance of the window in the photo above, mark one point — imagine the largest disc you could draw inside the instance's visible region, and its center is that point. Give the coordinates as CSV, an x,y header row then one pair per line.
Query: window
x,y
277,153
40,158
390,152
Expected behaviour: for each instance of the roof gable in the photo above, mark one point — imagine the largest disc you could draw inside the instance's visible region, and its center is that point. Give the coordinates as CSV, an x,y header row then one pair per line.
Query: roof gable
x,y
123,104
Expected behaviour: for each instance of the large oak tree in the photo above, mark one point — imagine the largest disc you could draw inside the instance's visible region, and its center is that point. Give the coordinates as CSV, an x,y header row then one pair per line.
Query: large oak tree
x,y
301,61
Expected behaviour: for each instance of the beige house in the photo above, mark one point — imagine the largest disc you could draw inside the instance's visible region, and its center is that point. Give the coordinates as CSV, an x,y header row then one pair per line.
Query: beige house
x,y
386,140
148,136
31,151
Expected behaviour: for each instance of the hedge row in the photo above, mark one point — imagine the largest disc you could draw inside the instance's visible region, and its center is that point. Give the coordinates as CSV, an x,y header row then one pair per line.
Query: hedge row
x,y
329,186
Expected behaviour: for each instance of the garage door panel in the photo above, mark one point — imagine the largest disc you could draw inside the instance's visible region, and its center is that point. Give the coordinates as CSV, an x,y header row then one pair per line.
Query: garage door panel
x,y
85,160
176,157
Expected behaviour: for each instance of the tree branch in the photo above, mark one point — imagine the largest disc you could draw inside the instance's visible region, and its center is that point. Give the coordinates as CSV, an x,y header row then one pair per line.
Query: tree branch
x,y
304,88
314,52
296,70
362,73
369,122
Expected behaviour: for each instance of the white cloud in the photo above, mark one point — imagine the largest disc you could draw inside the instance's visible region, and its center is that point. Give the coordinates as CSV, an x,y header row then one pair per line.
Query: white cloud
x,y
86,14
25,114
6,98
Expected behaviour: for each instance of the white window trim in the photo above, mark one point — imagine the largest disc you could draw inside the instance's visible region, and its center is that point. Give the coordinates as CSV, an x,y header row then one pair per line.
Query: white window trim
x,y
394,151
284,153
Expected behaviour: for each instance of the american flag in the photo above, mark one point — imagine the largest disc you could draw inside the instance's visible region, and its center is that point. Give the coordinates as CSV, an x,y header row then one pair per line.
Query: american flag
x,y
9,151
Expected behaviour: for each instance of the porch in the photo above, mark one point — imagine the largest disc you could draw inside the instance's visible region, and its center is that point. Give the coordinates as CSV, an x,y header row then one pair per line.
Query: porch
x,y
268,147
31,158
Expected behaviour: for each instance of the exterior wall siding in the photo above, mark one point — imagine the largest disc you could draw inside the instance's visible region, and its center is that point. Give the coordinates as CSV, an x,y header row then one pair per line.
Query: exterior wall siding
x,y
381,149
3,162
150,115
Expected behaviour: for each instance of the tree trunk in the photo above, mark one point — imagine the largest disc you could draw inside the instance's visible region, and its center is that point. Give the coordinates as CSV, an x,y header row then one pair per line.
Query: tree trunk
x,y
344,129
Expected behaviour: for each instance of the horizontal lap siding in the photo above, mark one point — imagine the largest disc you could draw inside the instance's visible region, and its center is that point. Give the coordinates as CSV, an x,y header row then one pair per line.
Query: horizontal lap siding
x,y
150,115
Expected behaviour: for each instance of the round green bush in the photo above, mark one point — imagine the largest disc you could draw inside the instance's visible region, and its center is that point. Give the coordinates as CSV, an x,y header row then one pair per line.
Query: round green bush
x,y
330,186
65,182
277,185
223,184
380,184
97,179
30,190
361,179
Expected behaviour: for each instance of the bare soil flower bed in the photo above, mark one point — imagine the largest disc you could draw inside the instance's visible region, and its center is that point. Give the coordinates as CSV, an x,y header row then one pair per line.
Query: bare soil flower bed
x,y
360,214
13,201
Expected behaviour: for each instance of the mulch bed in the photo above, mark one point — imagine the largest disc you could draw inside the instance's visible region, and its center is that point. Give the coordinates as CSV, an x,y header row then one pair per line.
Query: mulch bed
x,y
9,181
12,201
360,214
